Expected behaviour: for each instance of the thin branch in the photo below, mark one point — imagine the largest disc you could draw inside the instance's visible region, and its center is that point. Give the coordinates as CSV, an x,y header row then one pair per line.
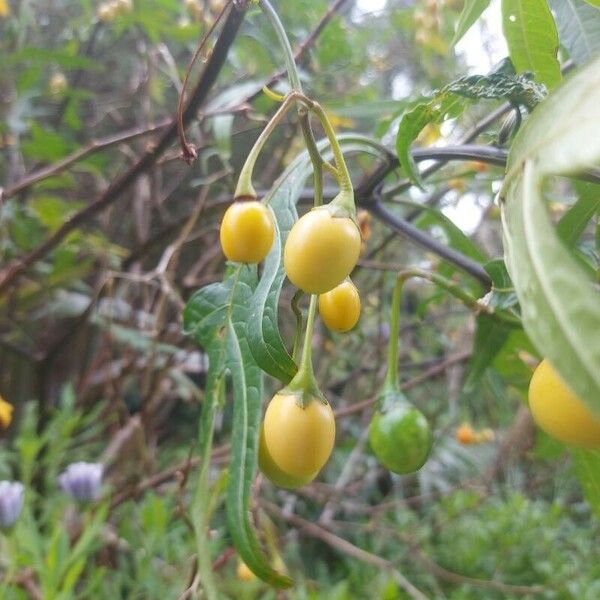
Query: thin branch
x,y
91,147
405,228
344,546
436,369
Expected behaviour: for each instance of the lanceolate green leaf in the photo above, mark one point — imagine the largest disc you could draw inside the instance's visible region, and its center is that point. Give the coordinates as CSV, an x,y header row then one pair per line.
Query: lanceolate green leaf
x,y
532,39
456,238
595,3
490,337
490,334
265,340
471,11
216,316
247,411
579,28
559,302
575,220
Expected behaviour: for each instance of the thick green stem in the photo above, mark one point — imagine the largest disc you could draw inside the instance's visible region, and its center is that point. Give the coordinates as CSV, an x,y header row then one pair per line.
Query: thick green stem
x,y
469,301
244,188
299,321
344,180
313,152
200,509
391,378
296,86
304,381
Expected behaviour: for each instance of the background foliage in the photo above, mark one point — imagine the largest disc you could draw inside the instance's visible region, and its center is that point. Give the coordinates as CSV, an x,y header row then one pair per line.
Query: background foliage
x,y
95,360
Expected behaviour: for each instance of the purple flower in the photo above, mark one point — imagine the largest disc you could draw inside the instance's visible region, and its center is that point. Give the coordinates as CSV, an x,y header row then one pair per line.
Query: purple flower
x,y
384,330
82,481
11,502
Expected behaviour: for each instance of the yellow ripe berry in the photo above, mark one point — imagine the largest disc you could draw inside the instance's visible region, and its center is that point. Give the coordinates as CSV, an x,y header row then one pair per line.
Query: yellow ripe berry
x,y
247,231
57,84
321,250
299,439
6,413
465,435
244,573
559,412
340,307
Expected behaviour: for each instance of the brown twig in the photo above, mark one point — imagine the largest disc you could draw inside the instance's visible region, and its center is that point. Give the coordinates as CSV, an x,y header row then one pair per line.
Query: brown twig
x,y
407,385
344,546
91,147
219,455
188,151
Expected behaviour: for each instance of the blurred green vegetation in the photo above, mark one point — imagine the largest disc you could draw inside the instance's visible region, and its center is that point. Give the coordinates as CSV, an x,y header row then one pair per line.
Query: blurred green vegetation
x,y
93,357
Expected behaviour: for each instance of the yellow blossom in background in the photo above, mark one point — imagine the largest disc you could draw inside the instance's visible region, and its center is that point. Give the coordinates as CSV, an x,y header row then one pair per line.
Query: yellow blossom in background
x,y
339,122
6,409
4,8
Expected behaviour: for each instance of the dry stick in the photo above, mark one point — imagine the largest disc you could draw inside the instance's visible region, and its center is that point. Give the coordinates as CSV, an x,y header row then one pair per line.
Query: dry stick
x,y
219,455
188,151
91,147
451,576
207,80
344,546
463,262
344,478
428,374
459,579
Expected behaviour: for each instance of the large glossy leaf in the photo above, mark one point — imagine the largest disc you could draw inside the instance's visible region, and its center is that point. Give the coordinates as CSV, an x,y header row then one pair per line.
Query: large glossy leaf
x,y
216,317
559,302
471,11
532,38
587,468
490,334
575,220
579,28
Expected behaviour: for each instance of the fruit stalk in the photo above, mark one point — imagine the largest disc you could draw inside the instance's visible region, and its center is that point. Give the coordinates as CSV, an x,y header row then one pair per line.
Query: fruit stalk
x,y
304,382
244,188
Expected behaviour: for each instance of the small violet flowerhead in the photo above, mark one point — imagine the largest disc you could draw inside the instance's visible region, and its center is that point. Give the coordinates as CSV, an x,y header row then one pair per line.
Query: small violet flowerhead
x,y
11,502
82,481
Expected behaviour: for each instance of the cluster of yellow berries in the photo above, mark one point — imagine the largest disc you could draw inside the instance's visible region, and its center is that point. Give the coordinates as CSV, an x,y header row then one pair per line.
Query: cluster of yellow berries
x,y
321,250
109,11
466,435
319,254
